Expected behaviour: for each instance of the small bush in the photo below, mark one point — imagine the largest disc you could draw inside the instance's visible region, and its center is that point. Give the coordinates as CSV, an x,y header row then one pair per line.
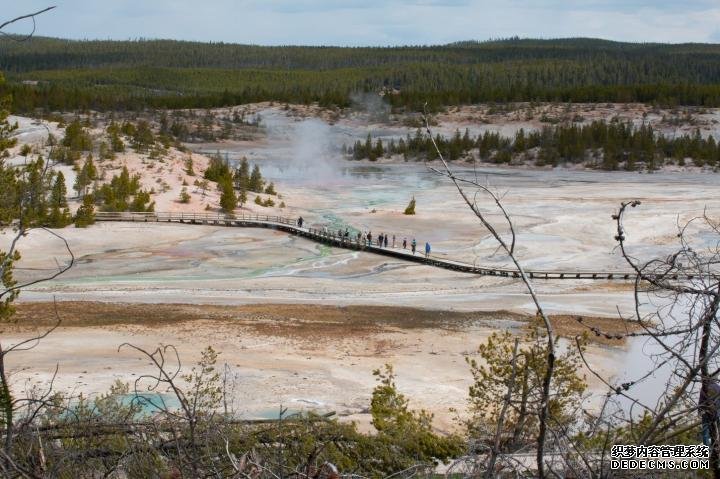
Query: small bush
x,y
184,196
410,210
189,170
26,149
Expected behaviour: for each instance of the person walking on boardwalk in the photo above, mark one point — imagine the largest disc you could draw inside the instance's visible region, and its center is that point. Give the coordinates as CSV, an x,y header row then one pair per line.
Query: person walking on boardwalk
x,y
404,243
386,241
380,240
427,249
393,241
369,238
300,222
413,245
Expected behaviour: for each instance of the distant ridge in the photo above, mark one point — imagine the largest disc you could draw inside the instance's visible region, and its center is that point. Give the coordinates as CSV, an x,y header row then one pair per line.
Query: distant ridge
x,y
107,74
44,53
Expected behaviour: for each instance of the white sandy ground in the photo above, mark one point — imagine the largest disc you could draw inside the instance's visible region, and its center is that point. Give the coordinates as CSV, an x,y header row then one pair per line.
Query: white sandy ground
x,y
167,178
272,371
181,264
168,263
563,220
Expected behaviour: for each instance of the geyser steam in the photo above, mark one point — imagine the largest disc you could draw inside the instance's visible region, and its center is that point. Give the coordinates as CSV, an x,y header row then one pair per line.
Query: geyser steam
x,y
312,154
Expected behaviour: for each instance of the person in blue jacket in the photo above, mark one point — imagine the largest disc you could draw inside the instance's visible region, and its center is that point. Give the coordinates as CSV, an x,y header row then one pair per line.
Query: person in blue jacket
x,y
427,249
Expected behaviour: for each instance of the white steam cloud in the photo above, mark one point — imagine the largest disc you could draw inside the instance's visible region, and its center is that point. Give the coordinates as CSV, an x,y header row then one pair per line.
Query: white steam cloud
x,y
313,149
310,150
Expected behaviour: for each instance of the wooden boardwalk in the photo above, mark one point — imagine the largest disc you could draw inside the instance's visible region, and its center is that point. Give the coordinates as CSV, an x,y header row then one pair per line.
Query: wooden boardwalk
x,y
319,235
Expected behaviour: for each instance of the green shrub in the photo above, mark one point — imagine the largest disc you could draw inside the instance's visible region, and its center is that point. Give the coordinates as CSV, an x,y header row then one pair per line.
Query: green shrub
x,y
76,137
184,196
85,215
228,200
410,210
25,150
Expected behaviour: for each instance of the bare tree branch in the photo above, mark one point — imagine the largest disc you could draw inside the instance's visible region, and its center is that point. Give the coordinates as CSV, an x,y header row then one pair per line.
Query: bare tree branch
x,y
23,17
509,249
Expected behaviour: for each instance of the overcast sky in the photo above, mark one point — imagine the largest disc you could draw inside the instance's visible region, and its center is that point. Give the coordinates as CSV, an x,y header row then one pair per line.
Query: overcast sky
x,y
372,22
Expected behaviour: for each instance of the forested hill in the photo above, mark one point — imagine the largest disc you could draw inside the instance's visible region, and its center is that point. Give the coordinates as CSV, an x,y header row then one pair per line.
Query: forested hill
x,y
692,62
134,74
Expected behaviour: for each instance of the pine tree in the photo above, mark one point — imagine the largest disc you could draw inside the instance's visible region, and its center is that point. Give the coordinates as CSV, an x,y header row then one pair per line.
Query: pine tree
x,y
141,202
256,180
242,174
123,187
143,137
59,211
357,151
58,194
105,152
76,137
87,174
228,200
519,143
379,150
59,218
36,186
85,215
242,197
116,143
217,168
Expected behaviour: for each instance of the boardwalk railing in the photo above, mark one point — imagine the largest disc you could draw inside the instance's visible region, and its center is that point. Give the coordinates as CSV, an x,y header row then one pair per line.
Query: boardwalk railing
x,y
204,218
322,235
